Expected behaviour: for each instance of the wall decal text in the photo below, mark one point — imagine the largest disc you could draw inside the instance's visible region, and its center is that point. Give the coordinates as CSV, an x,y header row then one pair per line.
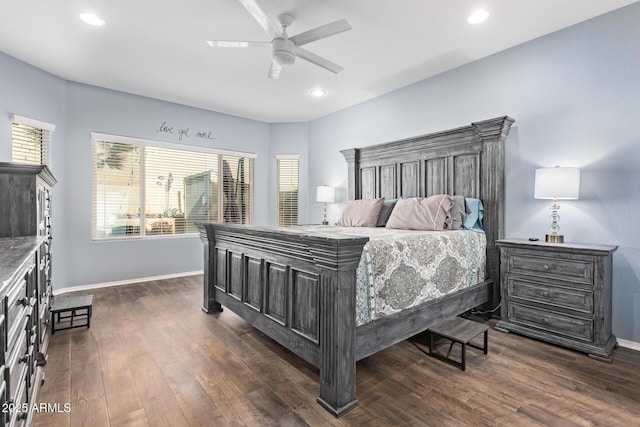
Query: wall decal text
x,y
184,132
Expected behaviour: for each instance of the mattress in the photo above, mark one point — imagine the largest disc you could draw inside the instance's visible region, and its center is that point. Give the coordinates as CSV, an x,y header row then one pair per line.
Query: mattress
x,y
400,269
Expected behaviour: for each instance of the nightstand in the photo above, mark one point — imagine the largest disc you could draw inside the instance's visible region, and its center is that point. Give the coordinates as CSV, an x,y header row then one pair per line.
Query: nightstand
x,y
559,293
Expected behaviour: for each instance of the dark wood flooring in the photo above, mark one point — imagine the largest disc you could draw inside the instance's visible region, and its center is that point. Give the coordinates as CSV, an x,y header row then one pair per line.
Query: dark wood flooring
x,y
153,358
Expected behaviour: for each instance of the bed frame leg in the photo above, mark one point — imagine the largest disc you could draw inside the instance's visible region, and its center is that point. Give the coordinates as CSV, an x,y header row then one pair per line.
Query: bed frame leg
x,y
338,361
209,304
337,412
338,261
213,307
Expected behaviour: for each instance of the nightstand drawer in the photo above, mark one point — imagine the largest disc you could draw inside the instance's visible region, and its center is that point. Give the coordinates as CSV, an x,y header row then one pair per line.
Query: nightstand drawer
x,y
555,323
558,292
554,296
526,262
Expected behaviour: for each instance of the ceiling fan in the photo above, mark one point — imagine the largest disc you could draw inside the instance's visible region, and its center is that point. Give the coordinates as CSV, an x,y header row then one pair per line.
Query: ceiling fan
x,y
285,49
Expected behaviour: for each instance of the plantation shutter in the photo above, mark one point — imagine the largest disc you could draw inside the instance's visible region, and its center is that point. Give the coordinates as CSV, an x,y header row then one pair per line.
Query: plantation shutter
x,y
287,190
30,141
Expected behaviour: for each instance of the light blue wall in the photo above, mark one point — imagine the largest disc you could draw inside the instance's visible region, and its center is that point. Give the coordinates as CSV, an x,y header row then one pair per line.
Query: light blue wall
x,y
33,93
78,110
30,92
93,109
575,95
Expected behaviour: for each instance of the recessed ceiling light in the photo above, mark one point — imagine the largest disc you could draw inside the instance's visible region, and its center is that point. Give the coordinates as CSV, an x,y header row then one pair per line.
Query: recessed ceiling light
x,y
318,93
91,19
478,16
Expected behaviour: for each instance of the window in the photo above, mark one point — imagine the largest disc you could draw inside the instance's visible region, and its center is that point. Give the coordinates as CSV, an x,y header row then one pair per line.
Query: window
x,y
30,140
144,188
287,190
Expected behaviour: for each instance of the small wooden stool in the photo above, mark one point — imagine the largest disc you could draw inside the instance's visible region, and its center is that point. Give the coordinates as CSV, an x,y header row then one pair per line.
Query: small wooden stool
x,y
461,331
72,308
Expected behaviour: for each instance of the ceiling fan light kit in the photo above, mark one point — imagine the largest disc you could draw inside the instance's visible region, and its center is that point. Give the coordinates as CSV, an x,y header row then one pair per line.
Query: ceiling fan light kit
x,y
283,52
285,49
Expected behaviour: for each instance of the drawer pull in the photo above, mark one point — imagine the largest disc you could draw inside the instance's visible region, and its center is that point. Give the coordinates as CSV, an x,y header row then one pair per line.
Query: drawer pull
x,y
23,301
545,320
24,359
545,267
545,293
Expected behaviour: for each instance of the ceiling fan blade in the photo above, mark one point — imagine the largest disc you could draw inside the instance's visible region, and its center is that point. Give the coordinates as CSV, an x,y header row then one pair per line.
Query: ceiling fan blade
x,y
318,60
236,43
321,32
274,71
259,15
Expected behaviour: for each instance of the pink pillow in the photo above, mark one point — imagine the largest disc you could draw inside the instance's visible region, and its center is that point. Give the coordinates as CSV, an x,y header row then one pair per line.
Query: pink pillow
x,y
418,213
361,213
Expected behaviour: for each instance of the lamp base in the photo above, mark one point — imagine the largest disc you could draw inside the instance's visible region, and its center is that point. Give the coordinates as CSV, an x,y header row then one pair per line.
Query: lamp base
x,y
324,222
554,238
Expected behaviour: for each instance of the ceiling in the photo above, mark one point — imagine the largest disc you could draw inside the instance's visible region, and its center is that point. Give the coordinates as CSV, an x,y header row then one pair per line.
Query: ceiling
x,y
158,48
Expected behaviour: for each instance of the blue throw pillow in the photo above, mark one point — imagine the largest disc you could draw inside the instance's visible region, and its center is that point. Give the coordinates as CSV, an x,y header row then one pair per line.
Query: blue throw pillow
x,y
474,219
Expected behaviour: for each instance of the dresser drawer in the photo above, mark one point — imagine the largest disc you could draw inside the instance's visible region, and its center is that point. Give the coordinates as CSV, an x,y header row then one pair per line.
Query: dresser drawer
x,y
3,334
554,296
555,323
31,365
17,367
17,417
3,397
17,308
529,262
6,413
44,320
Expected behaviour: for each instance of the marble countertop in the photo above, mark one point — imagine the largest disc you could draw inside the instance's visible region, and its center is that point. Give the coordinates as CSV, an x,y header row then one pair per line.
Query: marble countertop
x,y
13,253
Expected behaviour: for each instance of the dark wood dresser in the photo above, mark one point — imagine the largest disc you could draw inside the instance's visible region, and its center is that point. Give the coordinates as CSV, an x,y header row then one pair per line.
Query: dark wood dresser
x,y
25,286
559,293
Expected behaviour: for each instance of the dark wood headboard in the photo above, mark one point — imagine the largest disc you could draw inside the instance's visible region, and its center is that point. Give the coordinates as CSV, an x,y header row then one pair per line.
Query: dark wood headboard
x,y
466,161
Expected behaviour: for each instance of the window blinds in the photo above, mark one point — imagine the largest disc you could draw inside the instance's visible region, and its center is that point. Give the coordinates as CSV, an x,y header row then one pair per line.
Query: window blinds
x,y
287,190
30,140
143,189
117,189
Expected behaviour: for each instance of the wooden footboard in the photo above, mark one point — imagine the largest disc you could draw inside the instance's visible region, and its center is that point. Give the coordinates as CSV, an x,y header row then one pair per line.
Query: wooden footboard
x,y
298,289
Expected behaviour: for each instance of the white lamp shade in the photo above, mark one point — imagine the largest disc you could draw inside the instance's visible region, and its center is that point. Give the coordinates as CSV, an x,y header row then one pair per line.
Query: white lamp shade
x,y
558,182
325,194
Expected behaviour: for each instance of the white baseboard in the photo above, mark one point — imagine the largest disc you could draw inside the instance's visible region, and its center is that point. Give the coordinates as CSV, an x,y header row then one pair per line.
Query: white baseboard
x,y
123,282
629,344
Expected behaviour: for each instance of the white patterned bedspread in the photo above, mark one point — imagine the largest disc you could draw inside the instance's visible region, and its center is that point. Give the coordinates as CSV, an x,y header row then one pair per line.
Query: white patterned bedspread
x,y
404,268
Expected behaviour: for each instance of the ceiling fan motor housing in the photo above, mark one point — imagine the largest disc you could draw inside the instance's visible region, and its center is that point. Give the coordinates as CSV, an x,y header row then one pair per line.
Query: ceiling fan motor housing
x,y
283,51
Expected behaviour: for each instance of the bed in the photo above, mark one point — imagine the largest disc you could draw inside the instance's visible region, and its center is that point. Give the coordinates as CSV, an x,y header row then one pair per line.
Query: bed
x,y
300,287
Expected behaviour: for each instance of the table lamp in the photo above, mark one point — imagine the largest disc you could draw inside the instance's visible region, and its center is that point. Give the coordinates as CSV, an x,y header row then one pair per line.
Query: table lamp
x,y
325,194
556,183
